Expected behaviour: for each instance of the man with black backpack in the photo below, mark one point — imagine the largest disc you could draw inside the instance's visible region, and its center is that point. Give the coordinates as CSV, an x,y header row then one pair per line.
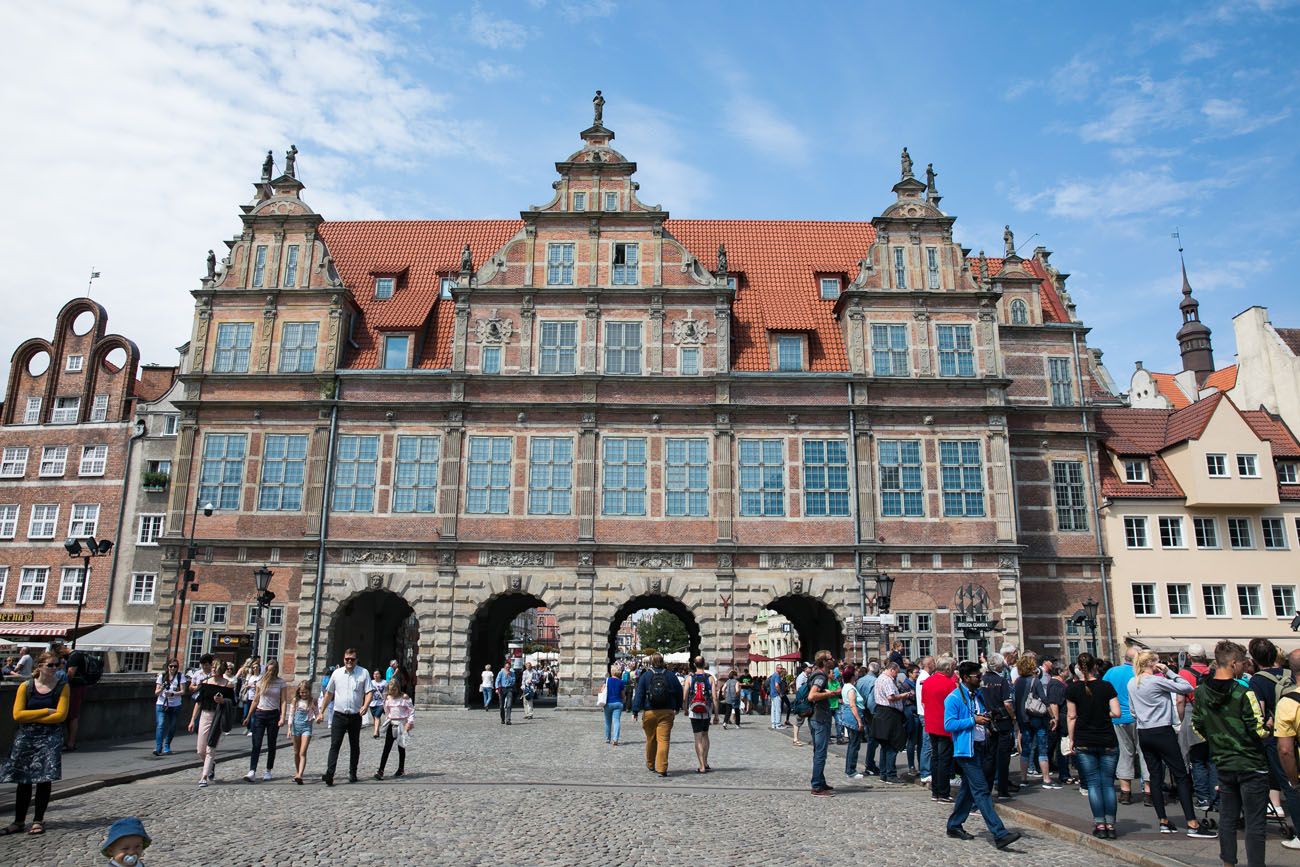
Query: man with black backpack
x,y
698,698
82,670
658,699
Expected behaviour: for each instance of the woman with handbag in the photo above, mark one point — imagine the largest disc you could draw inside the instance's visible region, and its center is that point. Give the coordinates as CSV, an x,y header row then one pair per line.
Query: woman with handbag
x,y
612,698
214,709
168,690
36,757
853,711
399,719
1033,715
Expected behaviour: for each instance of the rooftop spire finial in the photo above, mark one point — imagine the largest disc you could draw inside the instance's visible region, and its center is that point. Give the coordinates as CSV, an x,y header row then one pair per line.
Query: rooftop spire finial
x,y
598,110
1187,286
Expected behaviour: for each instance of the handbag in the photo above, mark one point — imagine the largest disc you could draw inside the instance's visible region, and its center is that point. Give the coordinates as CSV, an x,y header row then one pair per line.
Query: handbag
x,y
600,699
1035,706
1067,745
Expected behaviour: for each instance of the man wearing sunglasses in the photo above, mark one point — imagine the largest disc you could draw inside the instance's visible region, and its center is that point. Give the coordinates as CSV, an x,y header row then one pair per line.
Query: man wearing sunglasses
x,y
349,689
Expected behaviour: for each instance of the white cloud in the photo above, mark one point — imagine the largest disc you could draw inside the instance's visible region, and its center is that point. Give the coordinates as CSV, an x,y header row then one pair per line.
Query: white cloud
x,y
653,138
495,32
758,124
578,10
489,71
1126,194
143,124
1232,117
1074,80
1203,50
1139,105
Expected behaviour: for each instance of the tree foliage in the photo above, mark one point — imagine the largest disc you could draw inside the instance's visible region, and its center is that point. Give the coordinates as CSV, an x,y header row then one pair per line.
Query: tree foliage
x,y
663,632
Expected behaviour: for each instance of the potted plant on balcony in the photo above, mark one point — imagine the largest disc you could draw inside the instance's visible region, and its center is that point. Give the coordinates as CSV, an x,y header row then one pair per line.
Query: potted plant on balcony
x,y
155,481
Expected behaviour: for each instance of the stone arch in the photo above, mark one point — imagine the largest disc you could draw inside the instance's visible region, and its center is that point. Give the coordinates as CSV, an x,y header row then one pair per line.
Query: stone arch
x,y
653,599
344,589
816,623
75,308
18,372
381,624
487,639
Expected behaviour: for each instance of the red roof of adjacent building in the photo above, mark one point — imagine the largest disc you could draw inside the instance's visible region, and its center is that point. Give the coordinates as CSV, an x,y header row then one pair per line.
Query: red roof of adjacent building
x,y
777,263
1224,380
1291,337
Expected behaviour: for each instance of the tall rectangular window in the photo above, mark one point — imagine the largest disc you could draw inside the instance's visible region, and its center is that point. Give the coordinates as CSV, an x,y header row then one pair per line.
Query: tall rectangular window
x,y
8,521
688,361
32,412
1171,533
1239,535
1062,386
825,478
956,353
900,479
54,460
1216,466
1135,532
1144,600
686,478
1274,533
13,462
298,347
900,268
626,270
1248,466
490,361
291,266
72,584
396,349
99,408
932,266
151,529
31,585
143,585
962,473
1283,600
487,489
830,288
1249,602
1207,532
194,649
580,201
550,476
611,201
623,476
85,520
284,466
43,521
1067,491
355,470
384,287
789,352
762,478
66,410
234,345
4,581
171,424
415,485
93,460
445,287
1180,599
1215,599
559,264
622,347
259,266
222,471
559,349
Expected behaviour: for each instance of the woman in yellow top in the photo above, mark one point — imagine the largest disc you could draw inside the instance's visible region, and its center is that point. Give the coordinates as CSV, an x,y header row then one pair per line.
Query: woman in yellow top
x,y
36,759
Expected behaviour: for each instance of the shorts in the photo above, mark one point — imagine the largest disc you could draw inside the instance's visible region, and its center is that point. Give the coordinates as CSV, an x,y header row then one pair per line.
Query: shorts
x,y
76,694
700,726
377,711
1126,733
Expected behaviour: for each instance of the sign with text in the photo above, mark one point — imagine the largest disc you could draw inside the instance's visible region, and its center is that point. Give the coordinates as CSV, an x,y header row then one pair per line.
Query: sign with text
x,y
17,616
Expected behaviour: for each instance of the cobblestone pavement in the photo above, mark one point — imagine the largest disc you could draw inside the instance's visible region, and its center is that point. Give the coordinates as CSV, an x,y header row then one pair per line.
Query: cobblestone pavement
x,y
470,781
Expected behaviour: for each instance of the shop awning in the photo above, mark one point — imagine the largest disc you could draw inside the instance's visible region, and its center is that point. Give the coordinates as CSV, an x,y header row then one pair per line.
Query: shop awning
x,y
45,631
788,657
1159,643
119,637
758,657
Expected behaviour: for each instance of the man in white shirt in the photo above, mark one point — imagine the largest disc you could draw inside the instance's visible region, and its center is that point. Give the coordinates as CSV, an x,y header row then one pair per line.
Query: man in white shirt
x,y
349,689
23,668
926,669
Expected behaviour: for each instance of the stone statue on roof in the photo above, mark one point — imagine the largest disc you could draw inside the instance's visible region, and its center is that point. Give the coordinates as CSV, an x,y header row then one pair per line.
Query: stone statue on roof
x,y
984,268
907,164
212,265
598,109
722,258
290,157
930,175
1009,241
268,166
466,260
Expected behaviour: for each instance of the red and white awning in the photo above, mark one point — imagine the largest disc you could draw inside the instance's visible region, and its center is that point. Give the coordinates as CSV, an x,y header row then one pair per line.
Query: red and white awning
x,y
44,630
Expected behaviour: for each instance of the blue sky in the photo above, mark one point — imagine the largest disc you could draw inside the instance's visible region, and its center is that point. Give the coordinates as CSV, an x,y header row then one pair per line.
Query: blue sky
x,y
1096,129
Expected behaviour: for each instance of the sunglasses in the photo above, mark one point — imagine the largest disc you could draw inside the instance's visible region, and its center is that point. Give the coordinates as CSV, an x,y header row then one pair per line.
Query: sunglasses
x,y
349,659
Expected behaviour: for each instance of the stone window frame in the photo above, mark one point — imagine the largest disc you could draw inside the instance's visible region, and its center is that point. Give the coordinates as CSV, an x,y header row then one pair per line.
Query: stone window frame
x,y
684,496
283,474
909,483
1060,381
1069,497
559,346
560,263
496,459
626,272
1019,312
297,355
217,483
954,359
234,347
693,367
421,479
291,255
550,475
259,266
621,354
822,496
964,489
356,473
761,474
619,485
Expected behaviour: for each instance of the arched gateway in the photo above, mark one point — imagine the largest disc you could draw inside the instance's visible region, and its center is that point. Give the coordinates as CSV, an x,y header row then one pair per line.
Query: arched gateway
x,y
381,625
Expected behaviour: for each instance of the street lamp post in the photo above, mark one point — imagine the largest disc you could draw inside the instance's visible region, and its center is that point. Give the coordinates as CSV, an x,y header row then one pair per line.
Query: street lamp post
x,y
185,578
1090,607
94,548
262,579
884,592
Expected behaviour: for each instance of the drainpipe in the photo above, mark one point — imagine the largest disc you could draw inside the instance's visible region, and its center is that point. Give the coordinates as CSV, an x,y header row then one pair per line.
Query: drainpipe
x,y
140,431
1096,511
326,490
853,512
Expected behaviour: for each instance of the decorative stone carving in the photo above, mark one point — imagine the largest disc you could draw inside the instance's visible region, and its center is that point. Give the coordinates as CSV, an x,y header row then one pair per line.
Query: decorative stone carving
x,y
515,559
690,331
796,560
376,555
796,585
868,561
656,585
446,558
586,559
375,580
725,561
516,583
655,561
494,330
1006,561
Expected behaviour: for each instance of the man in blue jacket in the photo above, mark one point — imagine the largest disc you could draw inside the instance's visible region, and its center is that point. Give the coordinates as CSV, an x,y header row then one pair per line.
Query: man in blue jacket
x,y
966,718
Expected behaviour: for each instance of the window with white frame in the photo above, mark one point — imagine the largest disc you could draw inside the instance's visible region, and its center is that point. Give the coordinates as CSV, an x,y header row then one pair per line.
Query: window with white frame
x,y
490,361
932,267
626,265
622,347
171,424
559,264
889,354
1248,466
1144,600
72,584
1179,597
99,408
1287,473
129,661
259,266
1062,385
1171,532
487,480
558,352
75,363
54,460
961,472
1239,535
4,581
1283,600
32,412
623,476
1215,599
688,361
415,479
686,478
284,466
198,613
291,266
355,471
900,268
143,585
580,201
66,410
830,288
825,478
164,467
1249,601
611,201
13,462
8,521
762,478
218,614
1274,532
221,473
900,479
93,460
384,287
1019,312
1207,532
31,585
1217,466
85,520
194,649
298,347
550,476
956,351
446,287
43,521
1135,532
789,352
234,346
1135,470
150,529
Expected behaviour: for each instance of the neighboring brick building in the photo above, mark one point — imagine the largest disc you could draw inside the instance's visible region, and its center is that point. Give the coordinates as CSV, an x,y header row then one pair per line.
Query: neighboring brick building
x,y
66,440
594,410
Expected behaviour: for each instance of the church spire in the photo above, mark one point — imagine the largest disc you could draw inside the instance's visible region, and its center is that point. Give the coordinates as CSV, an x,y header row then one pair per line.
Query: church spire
x,y
1194,335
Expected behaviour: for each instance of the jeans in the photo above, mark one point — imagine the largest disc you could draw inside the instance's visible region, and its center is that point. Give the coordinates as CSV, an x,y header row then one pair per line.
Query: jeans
x,y
264,721
1160,749
1238,790
613,720
1033,744
776,711
913,730
487,696
658,728
1098,769
888,762
941,765
851,753
1205,776
1290,794
164,727
975,794
507,699
872,767
342,724
821,736
925,751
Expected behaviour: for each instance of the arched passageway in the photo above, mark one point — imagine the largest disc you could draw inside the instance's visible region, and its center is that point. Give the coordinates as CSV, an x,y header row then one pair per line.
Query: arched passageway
x,y
490,634
382,626
663,603
813,622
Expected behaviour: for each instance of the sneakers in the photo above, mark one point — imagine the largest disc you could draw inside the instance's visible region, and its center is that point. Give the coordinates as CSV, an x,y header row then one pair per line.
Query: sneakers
x,y
250,776
203,783
1202,833
1048,784
266,776
824,793
854,776
942,799
1167,828
925,780
1293,843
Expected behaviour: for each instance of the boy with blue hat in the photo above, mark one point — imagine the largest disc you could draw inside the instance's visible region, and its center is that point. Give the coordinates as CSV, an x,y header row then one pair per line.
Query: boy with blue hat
x,y
125,842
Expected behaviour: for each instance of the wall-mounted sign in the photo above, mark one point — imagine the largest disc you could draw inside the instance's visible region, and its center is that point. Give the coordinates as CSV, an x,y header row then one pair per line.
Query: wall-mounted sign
x,y
233,640
17,616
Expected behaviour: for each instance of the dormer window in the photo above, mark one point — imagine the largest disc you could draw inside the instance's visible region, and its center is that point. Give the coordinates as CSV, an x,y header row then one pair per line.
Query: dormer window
x,y
1287,473
75,363
789,352
611,201
732,283
384,287
1019,312
830,288
445,287
579,201
1135,471
396,349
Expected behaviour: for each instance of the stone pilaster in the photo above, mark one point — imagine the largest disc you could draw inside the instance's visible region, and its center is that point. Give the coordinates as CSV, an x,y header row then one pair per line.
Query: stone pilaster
x,y
586,477
1000,472
723,486
589,336
449,488
526,334
655,342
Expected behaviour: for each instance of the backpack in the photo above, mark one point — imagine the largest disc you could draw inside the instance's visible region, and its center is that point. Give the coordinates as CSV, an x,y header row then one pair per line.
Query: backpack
x,y
1281,683
94,668
659,695
801,706
699,703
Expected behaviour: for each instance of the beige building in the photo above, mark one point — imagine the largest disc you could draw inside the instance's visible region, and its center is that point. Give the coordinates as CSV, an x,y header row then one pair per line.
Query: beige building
x,y
1268,365
1201,515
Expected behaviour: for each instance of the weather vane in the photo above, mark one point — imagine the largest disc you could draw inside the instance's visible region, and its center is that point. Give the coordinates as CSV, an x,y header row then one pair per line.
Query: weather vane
x,y
93,275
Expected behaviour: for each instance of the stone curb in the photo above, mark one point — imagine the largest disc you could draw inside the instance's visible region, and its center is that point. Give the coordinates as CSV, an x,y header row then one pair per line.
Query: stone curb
x,y
1070,835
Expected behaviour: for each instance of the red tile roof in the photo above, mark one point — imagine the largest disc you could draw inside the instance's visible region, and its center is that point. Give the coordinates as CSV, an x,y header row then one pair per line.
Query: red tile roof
x,y
1171,390
1223,380
1189,423
1291,337
777,261
1269,427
